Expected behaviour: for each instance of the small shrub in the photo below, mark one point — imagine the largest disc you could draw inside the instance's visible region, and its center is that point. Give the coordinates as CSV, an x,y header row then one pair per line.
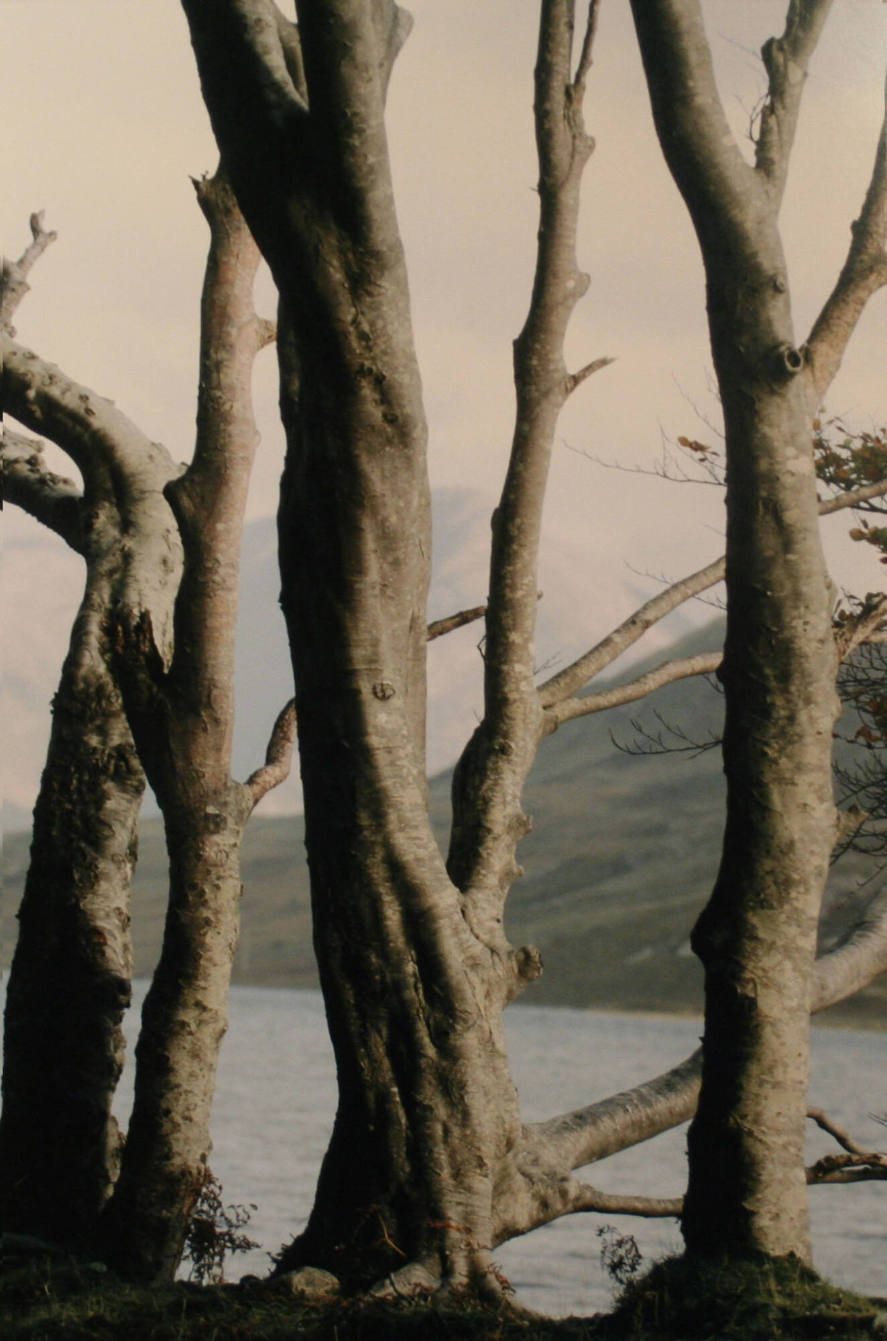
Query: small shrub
x,y
215,1230
621,1257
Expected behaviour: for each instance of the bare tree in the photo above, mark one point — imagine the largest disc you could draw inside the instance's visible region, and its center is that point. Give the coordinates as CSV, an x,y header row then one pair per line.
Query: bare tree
x,y
156,634
757,936
69,983
428,1164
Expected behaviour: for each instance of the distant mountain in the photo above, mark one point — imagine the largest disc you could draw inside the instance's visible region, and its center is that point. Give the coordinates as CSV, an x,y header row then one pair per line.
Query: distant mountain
x,y
622,856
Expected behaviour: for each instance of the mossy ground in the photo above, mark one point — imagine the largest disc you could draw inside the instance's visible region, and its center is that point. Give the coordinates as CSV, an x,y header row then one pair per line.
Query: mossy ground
x,y
765,1300
63,1301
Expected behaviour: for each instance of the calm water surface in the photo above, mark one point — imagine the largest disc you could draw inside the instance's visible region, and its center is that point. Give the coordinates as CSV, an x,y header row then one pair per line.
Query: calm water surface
x,y
276,1098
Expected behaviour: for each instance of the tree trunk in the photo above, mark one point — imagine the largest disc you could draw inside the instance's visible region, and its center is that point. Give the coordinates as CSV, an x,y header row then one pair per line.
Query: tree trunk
x,y
415,1028
184,1019
757,937
69,983
183,725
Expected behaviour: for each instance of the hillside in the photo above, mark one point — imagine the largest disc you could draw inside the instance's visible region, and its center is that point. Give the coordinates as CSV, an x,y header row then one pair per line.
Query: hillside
x,y
622,855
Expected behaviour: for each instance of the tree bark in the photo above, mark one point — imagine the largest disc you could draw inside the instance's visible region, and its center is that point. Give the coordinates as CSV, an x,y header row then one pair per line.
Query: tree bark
x,y
414,971
428,1165
69,982
166,634
757,936
182,721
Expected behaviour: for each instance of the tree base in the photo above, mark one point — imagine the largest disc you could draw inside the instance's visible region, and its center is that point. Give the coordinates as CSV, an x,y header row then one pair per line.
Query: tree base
x,y
757,1299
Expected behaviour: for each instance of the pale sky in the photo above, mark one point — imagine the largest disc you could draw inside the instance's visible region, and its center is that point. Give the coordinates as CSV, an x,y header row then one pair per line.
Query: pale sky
x,y
103,125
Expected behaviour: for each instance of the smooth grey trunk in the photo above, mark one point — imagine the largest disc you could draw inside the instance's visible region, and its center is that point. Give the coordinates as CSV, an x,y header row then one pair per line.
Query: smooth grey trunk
x,y
183,725
183,1021
757,936
167,631
428,1165
414,963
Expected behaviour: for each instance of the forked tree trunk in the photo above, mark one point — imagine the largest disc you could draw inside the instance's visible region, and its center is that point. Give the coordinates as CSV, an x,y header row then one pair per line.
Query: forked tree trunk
x,y
415,970
425,1103
428,1165
757,937
69,982
183,724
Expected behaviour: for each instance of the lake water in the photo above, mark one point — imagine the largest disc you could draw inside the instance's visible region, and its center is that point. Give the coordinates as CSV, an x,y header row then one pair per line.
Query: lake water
x,y
276,1097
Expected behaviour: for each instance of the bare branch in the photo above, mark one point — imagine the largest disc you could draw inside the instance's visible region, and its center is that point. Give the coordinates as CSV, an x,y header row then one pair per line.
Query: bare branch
x,y
584,64
551,1197
349,52
847,1169
859,958
825,1123
584,1197
91,429
852,498
568,681
210,497
586,1135
577,378
785,60
487,818
252,45
14,274
30,485
698,145
278,756
438,627
705,663
265,332
856,1165
863,273
860,627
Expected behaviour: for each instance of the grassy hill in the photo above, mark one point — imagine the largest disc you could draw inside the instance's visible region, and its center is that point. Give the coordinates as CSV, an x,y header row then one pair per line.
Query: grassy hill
x,y
622,856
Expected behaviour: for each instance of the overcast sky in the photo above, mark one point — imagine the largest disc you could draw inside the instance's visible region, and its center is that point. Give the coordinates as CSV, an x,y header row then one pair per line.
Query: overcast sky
x,y
103,125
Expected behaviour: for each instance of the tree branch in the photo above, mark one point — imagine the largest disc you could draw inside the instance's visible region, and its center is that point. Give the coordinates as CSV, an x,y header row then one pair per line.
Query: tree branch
x,y
568,681
825,1123
863,273
859,628
705,663
856,1165
489,779
563,686
584,1197
14,274
586,1135
584,64
696,139
92,430
252,45
278,756
438,627
348,52
210,497
785,60
30,485
852,498
577,378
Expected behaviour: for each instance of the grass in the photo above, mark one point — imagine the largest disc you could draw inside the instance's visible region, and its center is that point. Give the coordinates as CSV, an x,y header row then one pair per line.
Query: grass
x,y
59,1300
683,1300
46,1301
